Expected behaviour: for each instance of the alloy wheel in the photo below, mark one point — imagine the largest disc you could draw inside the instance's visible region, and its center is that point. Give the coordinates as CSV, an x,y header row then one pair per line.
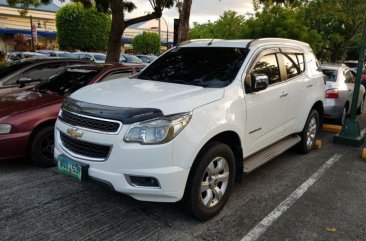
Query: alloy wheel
x,y
214,182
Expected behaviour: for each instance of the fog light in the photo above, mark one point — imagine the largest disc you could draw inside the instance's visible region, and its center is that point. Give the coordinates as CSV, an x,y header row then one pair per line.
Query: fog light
x,y
140,181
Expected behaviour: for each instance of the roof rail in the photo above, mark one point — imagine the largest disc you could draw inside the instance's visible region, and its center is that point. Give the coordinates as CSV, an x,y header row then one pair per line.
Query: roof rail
x,y
263,40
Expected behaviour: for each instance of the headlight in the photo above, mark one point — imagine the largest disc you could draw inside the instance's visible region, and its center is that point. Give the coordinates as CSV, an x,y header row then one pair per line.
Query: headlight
x,y
159,130
5,128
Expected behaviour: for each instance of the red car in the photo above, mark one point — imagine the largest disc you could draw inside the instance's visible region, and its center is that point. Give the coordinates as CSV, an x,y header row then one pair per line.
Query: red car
x,y
27,118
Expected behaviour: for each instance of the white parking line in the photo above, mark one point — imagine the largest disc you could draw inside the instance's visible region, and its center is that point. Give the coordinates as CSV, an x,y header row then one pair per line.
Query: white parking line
x,y
263,225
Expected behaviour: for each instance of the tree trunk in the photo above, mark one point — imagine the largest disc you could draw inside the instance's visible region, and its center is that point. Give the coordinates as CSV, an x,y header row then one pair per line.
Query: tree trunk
x,y
117,28
184,21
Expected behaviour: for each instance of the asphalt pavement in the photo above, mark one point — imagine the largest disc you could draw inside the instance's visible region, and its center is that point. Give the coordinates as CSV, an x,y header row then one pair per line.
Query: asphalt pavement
x,y
293,197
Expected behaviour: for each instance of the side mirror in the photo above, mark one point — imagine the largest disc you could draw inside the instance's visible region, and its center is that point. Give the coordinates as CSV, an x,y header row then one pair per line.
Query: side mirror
x,y
22,81
259,82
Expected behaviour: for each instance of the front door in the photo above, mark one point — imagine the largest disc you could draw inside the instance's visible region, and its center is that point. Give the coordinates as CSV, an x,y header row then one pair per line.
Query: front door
x,y
266,109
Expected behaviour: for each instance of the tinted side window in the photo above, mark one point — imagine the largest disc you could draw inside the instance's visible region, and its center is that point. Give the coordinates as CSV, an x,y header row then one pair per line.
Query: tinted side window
x,y
301,61
349,78
44,71
268,65
291,65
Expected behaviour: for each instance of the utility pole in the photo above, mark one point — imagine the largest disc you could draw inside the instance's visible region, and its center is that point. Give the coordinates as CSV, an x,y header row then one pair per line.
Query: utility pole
x,y
350,134
31,27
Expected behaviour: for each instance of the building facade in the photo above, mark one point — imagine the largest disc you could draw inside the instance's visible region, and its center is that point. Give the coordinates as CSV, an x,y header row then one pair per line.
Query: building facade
x,y
43,19
12,23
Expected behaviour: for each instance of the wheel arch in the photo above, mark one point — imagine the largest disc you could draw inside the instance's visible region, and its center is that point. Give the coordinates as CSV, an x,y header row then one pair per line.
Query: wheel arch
x,y
319,106
232,139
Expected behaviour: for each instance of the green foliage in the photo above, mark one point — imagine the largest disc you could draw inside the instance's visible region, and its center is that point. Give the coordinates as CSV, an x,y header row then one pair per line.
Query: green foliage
x,y
201,31
82,28
147,43
283,22
339,22
229,26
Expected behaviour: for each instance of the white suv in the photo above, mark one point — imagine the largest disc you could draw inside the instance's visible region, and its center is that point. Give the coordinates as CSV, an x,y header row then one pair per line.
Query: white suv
x,y
193,121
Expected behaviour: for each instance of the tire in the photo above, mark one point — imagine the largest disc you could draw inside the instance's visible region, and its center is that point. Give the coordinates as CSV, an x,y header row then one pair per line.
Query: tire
x,y
360,108
41,148
217,158
309,133
342,118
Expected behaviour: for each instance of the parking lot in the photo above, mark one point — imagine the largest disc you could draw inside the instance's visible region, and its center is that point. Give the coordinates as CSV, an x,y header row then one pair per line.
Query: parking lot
x,y
41,204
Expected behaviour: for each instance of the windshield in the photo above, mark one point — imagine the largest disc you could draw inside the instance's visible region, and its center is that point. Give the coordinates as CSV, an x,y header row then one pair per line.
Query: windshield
x,y
203,66
12,67
132,59
67,55
100,57
330,74
67,81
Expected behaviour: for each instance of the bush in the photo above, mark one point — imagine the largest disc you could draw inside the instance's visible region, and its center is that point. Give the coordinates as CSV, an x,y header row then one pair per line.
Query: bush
x,y
146,43
82,28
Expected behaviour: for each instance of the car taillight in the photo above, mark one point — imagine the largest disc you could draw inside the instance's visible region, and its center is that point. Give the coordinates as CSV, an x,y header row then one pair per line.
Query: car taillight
x,y
331,94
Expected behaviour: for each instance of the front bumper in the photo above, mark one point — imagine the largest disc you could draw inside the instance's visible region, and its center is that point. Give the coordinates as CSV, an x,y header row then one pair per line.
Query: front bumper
x,y
14,145
131,159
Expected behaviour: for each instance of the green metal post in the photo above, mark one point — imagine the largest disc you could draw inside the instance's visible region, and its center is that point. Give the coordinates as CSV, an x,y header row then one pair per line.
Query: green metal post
x,y
350,133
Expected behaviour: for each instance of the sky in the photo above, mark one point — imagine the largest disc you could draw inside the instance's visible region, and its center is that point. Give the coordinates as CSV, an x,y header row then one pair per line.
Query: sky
x,y
202,11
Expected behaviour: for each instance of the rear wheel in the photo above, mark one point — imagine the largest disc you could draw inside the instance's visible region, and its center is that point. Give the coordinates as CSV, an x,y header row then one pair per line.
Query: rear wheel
x,y
210,181
309,133
41,148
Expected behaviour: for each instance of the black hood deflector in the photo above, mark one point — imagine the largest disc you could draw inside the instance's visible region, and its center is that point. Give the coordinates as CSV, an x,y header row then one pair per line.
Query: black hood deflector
x,y
126,115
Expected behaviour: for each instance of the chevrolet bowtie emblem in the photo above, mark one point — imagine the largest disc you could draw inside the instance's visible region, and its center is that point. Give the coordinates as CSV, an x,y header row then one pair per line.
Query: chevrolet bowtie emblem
x,y
74,133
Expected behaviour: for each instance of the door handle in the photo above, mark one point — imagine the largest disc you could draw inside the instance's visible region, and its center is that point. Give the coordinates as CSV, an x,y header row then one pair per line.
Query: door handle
x,y
310,85
283,95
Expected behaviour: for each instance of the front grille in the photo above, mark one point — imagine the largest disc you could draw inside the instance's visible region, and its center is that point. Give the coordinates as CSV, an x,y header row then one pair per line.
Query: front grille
x,y
84,148
89,122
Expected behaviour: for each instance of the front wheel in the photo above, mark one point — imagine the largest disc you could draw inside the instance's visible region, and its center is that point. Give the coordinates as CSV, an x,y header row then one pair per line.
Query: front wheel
x,y
309,133
210,181
41,148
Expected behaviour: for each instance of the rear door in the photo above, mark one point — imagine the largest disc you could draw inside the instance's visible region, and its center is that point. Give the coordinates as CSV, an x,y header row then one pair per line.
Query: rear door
x,y
266,109
293,65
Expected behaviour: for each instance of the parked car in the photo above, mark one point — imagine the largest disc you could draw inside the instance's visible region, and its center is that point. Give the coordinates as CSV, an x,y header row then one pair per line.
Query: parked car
x,y
187,124
60,54
128,59
98,58
340,83
15,56
28,72
27,118
146,58
363,78
352,64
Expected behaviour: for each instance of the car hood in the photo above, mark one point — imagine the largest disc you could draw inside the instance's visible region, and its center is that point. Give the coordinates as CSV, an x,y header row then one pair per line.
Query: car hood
x,y
137,93
25,101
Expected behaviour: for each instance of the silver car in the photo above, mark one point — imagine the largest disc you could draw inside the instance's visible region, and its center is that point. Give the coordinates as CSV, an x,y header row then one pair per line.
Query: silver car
x,y
340,82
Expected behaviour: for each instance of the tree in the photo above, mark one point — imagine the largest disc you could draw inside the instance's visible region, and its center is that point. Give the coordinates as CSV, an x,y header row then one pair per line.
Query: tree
x,y
82,28
200,31
147,43
184,14
339,22
283,22
118,25
230,25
